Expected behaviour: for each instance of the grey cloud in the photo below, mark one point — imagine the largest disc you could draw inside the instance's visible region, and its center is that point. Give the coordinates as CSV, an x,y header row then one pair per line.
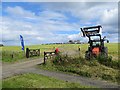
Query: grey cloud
x,y
18,11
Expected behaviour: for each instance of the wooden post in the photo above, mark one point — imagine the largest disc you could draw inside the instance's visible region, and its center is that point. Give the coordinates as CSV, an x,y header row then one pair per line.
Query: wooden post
x,y
27,52
39,52
44,57
78,48
12,55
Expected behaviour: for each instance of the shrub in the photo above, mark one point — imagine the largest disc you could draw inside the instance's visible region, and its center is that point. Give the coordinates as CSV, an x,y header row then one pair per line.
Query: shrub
x,y
84,73
118,78
103,59
109,62
107,77
56,59
112,64
62,60
93,63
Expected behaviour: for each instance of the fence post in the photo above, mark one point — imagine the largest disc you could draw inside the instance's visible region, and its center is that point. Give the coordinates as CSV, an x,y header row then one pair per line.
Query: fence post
x,y
12,56
44,57
27,52
39,52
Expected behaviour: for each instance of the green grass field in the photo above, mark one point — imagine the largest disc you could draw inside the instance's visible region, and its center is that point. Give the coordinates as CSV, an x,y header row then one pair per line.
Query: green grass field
x,y
18,54
38,81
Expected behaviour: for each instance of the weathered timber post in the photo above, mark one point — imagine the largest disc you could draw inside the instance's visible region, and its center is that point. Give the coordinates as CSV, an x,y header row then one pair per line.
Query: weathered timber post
x,y
44,57
78,48
12,56
27,52
38,52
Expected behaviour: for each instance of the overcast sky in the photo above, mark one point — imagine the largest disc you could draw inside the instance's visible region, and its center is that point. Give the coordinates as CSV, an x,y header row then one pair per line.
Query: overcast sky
x,y
51,22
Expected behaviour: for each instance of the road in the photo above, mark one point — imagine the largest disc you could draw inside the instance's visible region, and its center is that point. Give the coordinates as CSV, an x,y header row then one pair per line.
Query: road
x,y
20,67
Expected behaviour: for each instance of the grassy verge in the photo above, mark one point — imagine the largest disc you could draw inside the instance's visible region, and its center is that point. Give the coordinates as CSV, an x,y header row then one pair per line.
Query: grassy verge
x,y
14,53
12,57
8,56
38,81
78,65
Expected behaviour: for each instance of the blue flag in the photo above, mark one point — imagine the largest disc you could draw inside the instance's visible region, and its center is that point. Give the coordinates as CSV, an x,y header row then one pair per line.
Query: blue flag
x,y
22,42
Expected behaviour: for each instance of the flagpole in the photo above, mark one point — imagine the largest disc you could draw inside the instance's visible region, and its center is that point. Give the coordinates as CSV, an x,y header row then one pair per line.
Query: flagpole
x,y
22,44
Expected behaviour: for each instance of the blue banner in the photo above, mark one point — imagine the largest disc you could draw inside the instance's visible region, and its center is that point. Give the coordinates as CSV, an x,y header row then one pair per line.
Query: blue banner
x,y
22,42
